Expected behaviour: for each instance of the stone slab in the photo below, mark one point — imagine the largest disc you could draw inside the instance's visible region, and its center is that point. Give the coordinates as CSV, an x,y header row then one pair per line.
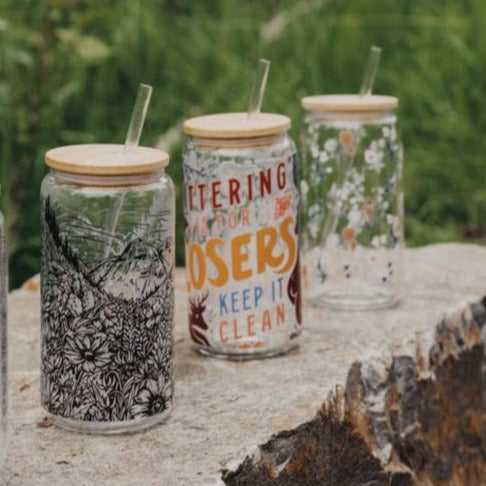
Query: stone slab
x,y
223,410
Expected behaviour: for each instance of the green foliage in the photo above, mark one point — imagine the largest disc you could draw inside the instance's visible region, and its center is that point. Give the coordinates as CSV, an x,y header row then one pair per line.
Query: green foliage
x,y
69,71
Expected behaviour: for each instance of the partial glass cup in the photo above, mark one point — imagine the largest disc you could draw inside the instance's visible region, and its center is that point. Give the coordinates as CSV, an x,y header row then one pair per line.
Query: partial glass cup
x,y
242,235
352,202
3,342
107,288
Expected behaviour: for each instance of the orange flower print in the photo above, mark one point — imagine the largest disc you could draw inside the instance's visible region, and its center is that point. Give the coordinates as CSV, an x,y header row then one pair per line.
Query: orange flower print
x,y
348,233
346,137
349,237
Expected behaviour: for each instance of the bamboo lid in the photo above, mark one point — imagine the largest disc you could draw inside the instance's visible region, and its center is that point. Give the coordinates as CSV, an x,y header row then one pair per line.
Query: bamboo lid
x,y
106,159
236,125
349,103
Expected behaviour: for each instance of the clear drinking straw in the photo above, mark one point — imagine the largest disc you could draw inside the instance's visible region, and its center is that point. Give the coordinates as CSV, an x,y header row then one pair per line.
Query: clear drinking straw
x,y
138,116
370,71
131,141
258,87
366,89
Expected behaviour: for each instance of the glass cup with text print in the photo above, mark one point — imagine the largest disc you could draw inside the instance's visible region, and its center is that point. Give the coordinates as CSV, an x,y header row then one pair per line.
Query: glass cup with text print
x,y
352,202
242,235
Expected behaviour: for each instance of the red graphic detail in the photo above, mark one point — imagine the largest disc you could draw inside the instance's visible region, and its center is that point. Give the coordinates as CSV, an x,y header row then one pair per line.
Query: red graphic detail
x,y
282,205
293,287
197,324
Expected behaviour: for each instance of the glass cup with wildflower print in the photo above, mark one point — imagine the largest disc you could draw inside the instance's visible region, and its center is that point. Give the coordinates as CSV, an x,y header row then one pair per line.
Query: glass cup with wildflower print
x,y
107,288
351,202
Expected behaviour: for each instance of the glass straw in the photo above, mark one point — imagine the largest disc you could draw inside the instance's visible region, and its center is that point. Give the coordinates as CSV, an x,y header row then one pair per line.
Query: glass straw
x,y
348,162
370,71
258,87
138,116
131,141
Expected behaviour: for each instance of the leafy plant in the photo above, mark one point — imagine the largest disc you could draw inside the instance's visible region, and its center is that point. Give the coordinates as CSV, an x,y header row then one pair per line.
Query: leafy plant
x,y
69,70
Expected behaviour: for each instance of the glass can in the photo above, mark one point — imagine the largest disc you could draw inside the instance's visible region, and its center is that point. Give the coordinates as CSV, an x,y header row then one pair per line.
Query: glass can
x,y
352,202
242,235
107,288
3,341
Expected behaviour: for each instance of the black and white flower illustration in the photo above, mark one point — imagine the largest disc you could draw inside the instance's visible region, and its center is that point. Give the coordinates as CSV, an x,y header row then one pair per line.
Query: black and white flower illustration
x,y
90,352
153,398
106,327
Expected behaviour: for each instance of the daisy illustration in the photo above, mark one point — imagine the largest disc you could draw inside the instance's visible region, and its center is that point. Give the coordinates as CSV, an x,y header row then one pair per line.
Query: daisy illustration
x,y
88,352
153,399
374,159
323,157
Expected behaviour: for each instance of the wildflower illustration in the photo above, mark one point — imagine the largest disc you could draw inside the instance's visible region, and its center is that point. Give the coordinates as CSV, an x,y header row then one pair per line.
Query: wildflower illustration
x,y
351,188
106,330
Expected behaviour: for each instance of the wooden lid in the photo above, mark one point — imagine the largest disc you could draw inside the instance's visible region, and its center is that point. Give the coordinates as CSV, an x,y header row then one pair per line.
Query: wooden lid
x,y
349,103
236,125
106,159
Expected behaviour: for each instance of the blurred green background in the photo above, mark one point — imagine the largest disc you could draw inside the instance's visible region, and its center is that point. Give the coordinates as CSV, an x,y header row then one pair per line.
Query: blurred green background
x,y
69,71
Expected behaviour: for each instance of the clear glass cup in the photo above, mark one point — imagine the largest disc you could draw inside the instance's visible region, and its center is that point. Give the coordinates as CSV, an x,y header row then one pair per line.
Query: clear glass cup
x,y
107,293
352,202
242,258
3,341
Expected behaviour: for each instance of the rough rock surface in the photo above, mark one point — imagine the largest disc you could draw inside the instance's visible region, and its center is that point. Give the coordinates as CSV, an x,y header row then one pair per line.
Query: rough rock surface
x,y
402,416
403,420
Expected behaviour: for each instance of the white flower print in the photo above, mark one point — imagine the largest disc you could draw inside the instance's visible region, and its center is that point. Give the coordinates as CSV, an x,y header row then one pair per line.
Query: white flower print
x,y
374,159
331,145
304,187
315,215
379,241
390,133
394,222
323,157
